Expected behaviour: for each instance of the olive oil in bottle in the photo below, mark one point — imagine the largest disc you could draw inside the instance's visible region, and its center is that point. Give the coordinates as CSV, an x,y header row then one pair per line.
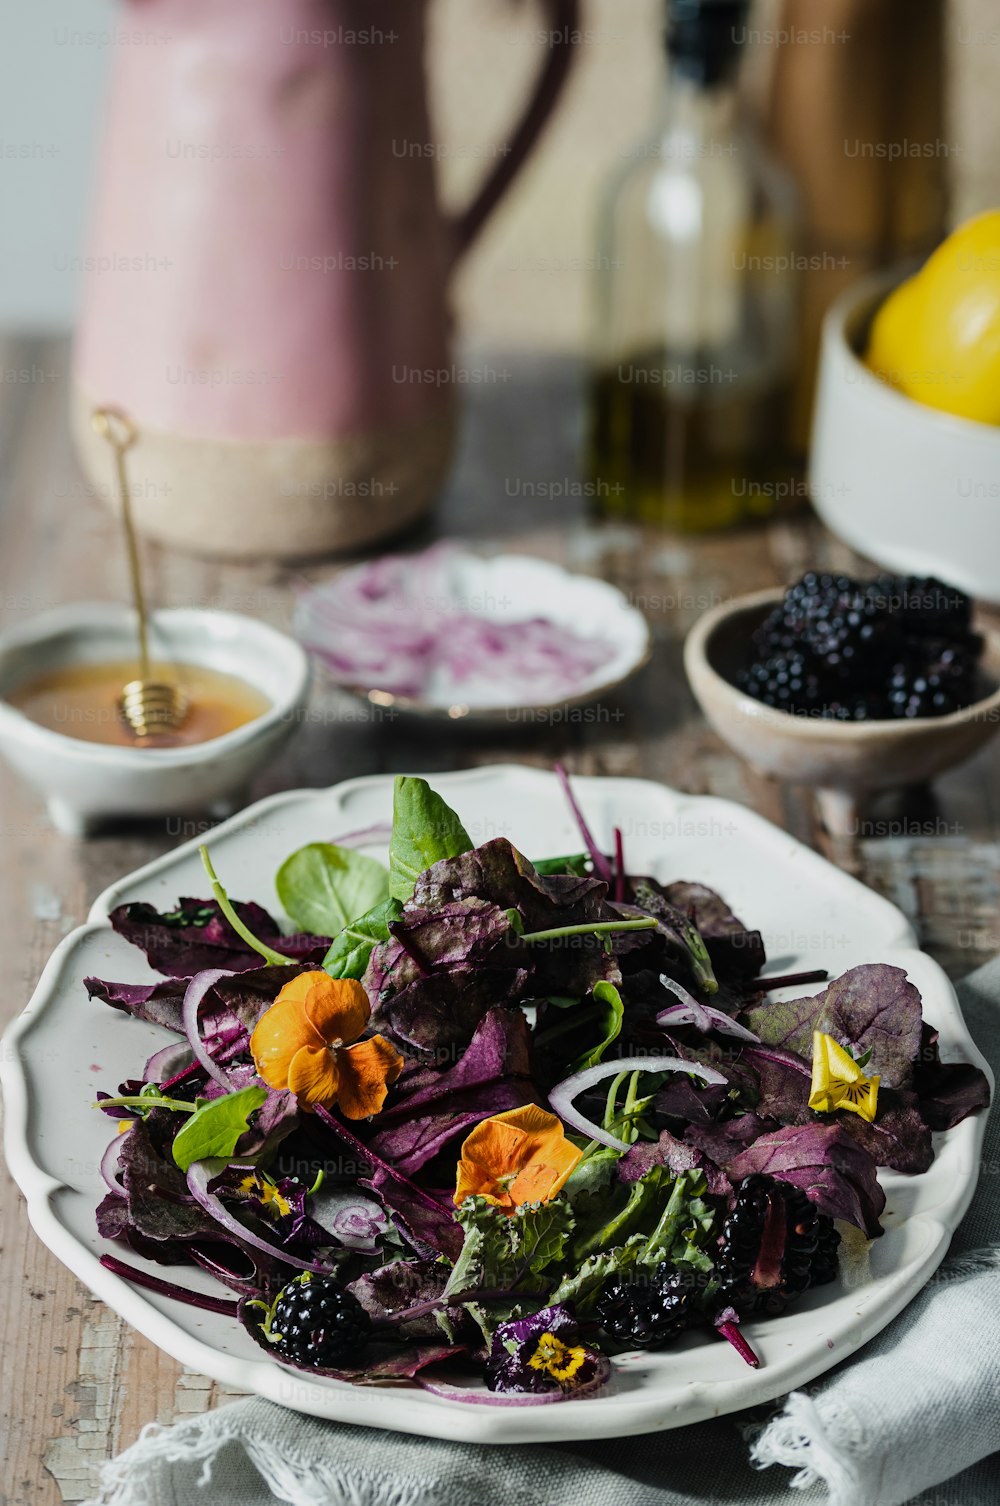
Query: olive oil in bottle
x,y
696,302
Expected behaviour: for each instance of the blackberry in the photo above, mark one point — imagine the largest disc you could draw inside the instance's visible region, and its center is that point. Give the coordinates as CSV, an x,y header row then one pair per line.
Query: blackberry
x,y
872,706
848,650
913,692
785,681
852,641
774,1245
826,1261
806,607
316,1322
925,606
648,1314
933,682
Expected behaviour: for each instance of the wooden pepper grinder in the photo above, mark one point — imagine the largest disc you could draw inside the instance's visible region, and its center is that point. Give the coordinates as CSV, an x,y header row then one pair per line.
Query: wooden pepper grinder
x,y
855,108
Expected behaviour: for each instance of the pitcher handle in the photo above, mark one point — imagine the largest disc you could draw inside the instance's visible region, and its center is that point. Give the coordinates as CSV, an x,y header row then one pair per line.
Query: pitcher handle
x,y
564,18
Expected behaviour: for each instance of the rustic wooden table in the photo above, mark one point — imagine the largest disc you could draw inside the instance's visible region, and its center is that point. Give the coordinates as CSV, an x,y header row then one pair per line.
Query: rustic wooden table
x,y
78,1383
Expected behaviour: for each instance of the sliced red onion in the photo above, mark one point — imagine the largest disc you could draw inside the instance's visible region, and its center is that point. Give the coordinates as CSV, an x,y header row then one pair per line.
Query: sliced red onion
x,y
562,1095
377,835
355,1222
690,1011
167,1062
413,625
196,991
200,1173
110,1164
475,1397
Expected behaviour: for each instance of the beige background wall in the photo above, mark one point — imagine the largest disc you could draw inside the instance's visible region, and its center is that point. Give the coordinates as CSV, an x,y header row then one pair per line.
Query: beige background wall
x,y
526,282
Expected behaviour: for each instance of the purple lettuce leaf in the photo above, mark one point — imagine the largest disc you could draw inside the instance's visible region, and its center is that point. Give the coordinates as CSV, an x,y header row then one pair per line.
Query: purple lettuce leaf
x,y
873,1007
405,1283
428,1223
682,1099
196,935
709,911
221,1255
442,970
735,951
159,1204
722,1055
410,1146
674,1154
113,1221
831,1168
948,1091
454,953
230,1003
726,1138
159,1003
500,1047
899,1138
497,872
493,1074
784,1082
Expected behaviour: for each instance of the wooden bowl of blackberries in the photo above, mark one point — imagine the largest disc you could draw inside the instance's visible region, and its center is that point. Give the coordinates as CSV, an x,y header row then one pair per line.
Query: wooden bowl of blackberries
x,y
851,686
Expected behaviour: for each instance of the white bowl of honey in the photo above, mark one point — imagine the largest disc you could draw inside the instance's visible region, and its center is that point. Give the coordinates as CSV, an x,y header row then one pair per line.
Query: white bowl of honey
x,y
61,676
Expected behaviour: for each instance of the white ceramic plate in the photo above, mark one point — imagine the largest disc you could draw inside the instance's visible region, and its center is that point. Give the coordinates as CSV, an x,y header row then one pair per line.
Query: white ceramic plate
x,y
508,588
63,1047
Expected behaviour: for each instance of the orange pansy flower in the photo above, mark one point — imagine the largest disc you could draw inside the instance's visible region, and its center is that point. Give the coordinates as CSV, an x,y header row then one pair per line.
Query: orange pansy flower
x,y
518,1157
302,1043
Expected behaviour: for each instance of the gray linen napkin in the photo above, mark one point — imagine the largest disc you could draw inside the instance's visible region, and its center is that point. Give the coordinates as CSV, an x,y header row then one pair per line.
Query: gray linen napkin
x,y
918,1407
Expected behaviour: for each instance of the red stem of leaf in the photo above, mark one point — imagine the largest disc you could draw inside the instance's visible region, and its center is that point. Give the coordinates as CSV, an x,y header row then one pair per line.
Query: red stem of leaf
x,y
601,865
732,1335
788,980
619,866
365,1154
168,1288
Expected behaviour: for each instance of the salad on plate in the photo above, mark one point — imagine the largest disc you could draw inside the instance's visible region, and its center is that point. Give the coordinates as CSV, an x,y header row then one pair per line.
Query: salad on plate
x,y
482,1124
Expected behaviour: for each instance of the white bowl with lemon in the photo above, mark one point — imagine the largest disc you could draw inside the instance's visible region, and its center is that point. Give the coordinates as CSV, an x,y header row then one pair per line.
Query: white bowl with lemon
x,y
905,456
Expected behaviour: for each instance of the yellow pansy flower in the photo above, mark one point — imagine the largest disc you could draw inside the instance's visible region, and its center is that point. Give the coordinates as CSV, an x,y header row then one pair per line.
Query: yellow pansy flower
x,y
557,1359
838,1082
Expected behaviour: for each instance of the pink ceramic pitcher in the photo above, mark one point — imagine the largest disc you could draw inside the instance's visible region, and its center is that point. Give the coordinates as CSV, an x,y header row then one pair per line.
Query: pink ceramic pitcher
x,y
267,284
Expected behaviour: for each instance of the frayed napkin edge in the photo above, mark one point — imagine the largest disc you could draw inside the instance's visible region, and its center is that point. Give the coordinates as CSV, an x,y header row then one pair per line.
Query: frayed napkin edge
x,y
799,1438
132,1478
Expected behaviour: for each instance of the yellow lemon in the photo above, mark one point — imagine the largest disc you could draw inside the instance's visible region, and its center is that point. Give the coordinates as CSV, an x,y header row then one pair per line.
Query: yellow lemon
x,y
937,336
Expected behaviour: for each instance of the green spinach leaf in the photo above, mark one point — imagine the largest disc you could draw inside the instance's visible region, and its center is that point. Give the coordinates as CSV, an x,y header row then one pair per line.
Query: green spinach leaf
x,y
349,954
612,1014
215,1126
322,887
424,830
577,862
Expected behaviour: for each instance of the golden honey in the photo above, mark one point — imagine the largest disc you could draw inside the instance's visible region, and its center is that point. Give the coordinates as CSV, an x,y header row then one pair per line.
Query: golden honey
x,y
82,701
